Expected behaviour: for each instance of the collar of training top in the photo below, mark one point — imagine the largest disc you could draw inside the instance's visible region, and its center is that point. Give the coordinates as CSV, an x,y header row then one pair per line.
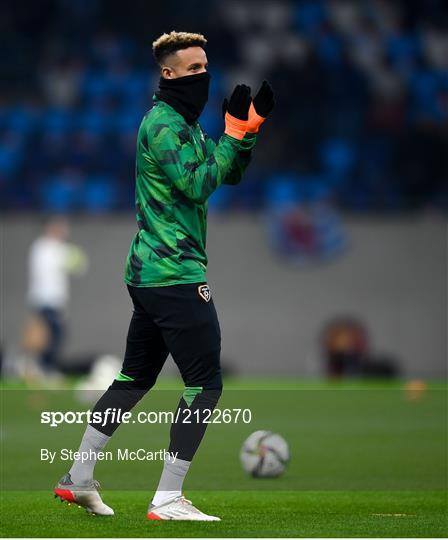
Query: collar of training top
x,y
186,95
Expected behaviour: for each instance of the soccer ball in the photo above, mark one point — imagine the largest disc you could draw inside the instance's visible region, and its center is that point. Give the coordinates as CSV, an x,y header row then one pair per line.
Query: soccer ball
x,y
264,454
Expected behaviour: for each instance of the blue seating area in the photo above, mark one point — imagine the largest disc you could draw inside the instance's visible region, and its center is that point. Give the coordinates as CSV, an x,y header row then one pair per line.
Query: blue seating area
x,y
361,90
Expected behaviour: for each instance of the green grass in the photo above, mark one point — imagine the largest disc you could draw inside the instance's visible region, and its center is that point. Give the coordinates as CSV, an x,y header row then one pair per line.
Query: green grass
x,y
246,514
365,461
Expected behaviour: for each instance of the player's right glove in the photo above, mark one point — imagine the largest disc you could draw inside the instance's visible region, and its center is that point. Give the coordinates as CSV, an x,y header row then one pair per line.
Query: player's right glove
x,y
261,107
236,112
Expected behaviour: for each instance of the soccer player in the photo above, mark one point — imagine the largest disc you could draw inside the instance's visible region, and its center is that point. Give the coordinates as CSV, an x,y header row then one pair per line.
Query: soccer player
x,y
51,262
177,168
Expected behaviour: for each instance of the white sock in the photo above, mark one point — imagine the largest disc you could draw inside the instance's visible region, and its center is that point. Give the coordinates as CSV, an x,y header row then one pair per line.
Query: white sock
x,y
93,441
171,481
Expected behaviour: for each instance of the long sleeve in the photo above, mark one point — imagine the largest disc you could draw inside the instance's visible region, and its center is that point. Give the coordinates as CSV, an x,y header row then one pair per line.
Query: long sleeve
x,y
173,150
242,158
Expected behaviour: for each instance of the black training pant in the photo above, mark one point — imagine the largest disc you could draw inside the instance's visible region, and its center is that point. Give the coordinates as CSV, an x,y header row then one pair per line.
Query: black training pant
x,y
54,320
181,320
178,320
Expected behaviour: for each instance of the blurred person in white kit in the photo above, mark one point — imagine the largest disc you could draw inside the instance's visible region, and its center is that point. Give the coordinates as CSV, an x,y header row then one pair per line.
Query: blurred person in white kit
x,y
51,261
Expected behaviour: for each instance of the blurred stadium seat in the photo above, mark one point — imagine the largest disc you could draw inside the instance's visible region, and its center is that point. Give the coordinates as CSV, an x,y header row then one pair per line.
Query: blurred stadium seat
x,y
358,85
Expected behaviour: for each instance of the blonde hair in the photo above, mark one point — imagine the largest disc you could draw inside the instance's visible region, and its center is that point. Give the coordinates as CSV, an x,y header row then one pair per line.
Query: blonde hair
x,y
170,43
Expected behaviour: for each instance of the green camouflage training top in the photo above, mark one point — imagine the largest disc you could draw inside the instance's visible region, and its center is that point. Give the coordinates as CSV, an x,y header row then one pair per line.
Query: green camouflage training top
x,y
177,168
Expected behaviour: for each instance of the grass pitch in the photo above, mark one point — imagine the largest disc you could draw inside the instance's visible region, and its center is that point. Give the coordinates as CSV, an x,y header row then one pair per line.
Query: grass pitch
x,y
367,460
246,514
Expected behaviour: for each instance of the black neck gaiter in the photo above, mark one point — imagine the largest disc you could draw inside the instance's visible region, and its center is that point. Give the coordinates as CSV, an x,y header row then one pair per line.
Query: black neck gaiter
x,y
187,95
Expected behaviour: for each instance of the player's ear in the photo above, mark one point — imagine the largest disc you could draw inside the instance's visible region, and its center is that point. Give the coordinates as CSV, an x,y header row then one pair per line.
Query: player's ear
x,y
167,72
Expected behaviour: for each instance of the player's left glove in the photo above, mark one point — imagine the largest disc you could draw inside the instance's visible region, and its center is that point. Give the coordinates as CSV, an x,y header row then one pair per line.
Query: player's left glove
x,y
261,107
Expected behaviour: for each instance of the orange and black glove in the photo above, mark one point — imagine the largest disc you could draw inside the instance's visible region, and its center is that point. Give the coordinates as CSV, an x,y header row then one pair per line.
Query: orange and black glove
x,y
236,112
260,108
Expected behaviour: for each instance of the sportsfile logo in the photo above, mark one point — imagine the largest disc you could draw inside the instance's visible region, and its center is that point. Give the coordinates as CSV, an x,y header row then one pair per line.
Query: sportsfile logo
x,y
181,416
204,292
